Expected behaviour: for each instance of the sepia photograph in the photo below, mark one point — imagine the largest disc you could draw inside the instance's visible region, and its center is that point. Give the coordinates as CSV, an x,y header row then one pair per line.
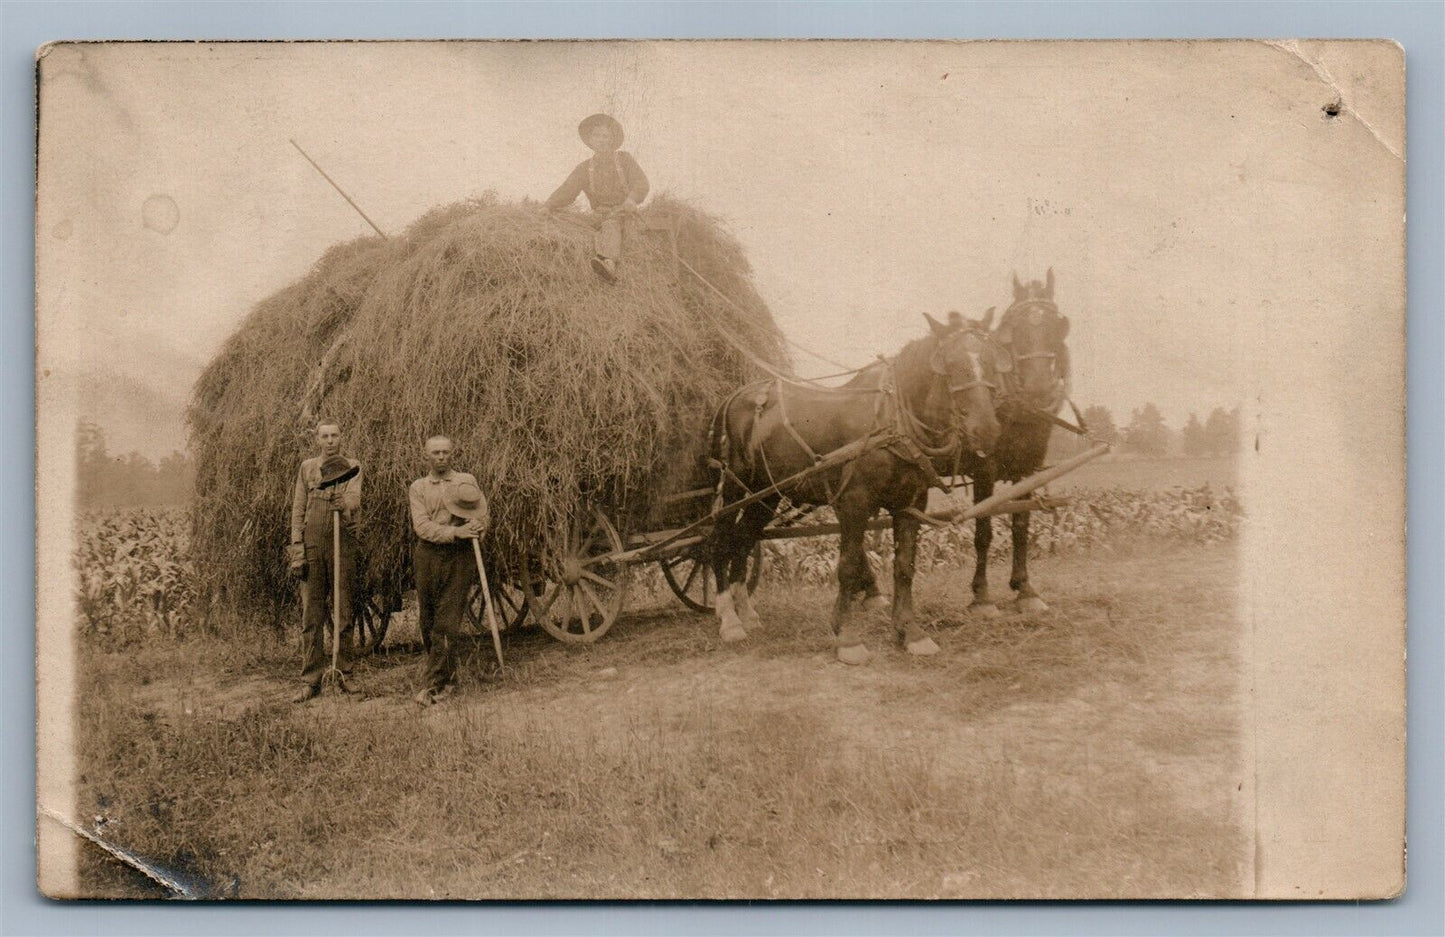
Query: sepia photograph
x,y
746,470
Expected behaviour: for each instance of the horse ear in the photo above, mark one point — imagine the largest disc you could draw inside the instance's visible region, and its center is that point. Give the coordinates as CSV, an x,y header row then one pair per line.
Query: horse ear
x,y
987,322
934,326
1018,287
1049,283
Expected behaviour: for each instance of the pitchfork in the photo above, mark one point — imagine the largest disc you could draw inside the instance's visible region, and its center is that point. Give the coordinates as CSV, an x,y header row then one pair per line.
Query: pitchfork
x,y
333,675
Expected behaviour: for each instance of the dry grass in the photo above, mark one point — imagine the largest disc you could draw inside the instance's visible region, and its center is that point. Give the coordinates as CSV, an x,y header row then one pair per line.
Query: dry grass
x,y
1089,750
483,321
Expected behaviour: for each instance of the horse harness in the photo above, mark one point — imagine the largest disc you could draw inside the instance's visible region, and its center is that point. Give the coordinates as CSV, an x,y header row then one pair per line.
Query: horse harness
x,y
896,429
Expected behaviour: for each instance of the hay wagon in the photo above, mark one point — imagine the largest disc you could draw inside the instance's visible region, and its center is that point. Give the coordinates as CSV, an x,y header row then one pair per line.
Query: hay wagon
x,y
563,382
576,590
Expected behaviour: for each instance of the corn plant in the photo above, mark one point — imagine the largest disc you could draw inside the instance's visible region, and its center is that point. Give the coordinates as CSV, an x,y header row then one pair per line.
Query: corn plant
x,y
1098,519
134,574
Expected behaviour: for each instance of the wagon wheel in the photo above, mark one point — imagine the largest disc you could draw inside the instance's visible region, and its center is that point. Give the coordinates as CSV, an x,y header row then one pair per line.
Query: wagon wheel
x,y
689,576
368,625
512,607
581,588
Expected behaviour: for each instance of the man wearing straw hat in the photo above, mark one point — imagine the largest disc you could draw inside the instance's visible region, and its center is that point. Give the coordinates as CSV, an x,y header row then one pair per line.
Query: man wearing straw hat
x,y
447,512
320,489
614,185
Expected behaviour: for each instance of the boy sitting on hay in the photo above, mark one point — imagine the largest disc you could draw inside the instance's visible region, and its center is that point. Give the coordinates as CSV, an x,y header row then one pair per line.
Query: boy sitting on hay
x,y
614,184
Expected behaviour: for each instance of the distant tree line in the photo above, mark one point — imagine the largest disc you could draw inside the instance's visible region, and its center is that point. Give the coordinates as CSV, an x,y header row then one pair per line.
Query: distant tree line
x,y
1148,434
105,480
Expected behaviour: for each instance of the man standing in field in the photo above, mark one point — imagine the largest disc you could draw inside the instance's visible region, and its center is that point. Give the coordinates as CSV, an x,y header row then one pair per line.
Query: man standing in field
x,y
310,552
614,185
448,511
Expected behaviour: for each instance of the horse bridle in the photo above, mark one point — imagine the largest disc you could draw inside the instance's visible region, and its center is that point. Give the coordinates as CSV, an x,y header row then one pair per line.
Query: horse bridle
x,y
956,435
1013,391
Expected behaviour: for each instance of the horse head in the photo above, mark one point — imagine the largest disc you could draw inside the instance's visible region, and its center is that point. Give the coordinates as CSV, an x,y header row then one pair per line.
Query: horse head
x,y
1032,332
966,372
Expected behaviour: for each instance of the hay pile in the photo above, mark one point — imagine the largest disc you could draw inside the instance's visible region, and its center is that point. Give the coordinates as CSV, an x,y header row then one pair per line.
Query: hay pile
x,y
484,322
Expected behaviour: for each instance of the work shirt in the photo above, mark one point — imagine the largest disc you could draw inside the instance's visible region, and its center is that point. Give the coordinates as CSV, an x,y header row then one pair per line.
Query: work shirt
x,y
430,518
305,494
607,179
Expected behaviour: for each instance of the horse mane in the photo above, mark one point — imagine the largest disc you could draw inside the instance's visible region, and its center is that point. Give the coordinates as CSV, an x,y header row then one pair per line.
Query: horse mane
x,y
913,368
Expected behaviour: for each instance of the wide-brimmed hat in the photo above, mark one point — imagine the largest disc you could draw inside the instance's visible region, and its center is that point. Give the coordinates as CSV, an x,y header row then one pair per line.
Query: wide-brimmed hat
x,y
607,120
336,471
465,500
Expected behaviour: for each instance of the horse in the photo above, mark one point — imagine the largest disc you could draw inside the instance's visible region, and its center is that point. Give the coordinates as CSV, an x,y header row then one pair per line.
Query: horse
x,y
1034,372
935,395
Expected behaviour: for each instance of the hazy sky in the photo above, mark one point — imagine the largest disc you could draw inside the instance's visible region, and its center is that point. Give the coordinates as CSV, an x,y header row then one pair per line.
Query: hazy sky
x,y
1180,191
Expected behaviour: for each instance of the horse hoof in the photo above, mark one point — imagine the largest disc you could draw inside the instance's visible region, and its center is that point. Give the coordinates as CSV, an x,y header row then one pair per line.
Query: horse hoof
x,y
874,602
732,635
922,648
1032,603
854,654
983,610
751,620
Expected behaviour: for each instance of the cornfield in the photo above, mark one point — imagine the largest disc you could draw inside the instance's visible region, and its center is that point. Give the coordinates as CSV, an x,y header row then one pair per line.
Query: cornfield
x,y
1098,519
136,577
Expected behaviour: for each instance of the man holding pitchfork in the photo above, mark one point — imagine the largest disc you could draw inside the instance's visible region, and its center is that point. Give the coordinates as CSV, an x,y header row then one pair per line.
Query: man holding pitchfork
x,y
326,485
449,514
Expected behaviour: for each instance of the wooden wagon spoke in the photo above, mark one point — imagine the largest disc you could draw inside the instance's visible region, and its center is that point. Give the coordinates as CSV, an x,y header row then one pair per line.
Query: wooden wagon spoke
x,y
580,608
549,599
692,577
596,603
604,583
699,595
589,584
514,602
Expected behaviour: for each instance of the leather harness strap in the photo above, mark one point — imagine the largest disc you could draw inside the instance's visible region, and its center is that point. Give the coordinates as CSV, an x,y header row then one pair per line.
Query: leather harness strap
x,y
792,431
896,430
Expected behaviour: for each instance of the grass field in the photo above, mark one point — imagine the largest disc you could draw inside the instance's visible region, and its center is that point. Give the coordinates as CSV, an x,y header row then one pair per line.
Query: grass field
x,y
1091,750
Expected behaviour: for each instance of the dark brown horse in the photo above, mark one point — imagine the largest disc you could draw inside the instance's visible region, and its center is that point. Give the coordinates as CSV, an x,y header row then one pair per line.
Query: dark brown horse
x,y
1034,372
935,396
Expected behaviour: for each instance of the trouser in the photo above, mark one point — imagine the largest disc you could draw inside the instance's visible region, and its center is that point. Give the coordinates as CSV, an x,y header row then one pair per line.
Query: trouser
x,y
316,625
607,241
445,574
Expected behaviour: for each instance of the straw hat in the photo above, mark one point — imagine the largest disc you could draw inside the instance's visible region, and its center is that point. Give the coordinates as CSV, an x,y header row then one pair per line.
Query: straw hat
x,y
464,499
336,471
606,120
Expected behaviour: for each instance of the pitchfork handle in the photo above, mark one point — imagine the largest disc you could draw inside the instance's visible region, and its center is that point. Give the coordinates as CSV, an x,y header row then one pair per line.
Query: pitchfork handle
x,y
487,601
335,589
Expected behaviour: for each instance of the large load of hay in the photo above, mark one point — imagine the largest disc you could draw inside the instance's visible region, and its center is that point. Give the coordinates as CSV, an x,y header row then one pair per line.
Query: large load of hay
x,y
483,322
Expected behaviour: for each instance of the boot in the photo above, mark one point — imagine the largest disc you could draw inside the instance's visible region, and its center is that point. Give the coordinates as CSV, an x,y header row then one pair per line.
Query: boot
x,y
605,267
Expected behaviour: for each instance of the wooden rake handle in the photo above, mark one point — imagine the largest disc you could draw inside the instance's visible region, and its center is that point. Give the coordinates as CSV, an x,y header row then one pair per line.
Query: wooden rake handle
x,y
487,601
